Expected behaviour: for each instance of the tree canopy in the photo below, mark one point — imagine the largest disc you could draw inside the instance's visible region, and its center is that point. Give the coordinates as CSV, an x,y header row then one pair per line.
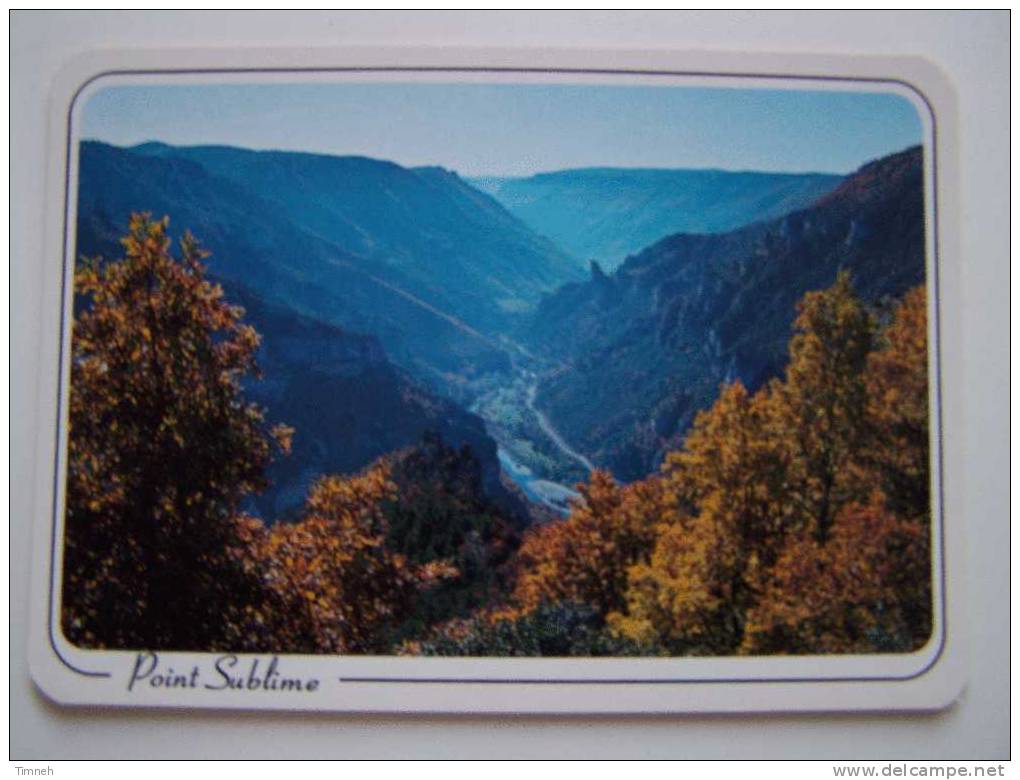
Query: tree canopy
x,y
794,519
162,450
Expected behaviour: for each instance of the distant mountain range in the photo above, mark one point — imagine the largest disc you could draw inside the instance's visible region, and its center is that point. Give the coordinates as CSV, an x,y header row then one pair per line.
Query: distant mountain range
x,y
644,348
453,245
382,292
307,296
432,267
606,214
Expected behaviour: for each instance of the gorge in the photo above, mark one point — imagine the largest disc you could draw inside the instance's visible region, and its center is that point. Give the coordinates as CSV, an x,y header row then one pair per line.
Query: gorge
x,y
395,302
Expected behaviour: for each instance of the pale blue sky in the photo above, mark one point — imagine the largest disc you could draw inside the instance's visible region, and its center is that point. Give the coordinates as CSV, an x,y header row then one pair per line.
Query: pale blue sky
x,y
479,129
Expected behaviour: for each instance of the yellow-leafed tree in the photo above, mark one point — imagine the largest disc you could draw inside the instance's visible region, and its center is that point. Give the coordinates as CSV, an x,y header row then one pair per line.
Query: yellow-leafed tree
x,y
585,558
787,498
869,586
332,570
728,521
162,449
897,455
822,402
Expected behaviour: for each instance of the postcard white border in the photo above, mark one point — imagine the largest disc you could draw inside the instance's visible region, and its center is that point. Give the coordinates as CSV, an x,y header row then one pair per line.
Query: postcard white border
x,y
928,679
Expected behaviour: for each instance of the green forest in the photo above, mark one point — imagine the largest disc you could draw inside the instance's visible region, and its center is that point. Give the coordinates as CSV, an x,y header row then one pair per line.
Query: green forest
x,y
794,519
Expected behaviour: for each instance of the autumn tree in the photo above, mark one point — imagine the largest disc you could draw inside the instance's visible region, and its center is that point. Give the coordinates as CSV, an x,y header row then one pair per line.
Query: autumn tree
x,y
822,401
162,450
779,502
584,559
869,586
866,589
724,519
898,455
340,583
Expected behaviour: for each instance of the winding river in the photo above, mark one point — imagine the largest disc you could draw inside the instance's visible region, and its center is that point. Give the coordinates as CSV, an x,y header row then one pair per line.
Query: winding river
x,y
542,491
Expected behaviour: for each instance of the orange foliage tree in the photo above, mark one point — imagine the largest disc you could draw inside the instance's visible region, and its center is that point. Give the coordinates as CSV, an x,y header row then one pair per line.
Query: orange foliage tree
x,y
775,506
162,449
724,520
897,389
585,558
864,590
822,402
341,586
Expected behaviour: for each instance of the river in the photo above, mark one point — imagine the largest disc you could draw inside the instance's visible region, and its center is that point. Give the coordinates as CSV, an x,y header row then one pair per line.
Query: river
x,y
549,494
553,495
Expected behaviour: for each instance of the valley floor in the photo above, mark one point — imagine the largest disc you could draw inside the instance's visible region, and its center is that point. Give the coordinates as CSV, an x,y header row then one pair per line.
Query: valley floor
x,y
531,451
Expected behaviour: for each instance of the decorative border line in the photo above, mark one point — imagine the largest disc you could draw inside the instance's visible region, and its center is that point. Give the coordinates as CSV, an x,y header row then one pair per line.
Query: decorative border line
x,y
937,384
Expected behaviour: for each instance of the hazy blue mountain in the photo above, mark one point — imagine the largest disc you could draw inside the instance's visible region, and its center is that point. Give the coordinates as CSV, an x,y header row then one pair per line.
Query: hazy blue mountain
x,y
347,401
424,229
491,185
323,249
606,214
644,348
255,243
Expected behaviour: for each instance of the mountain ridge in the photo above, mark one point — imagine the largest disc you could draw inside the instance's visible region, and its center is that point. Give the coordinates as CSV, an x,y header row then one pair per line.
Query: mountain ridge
x,y
254,243
423,226
607,214
649,344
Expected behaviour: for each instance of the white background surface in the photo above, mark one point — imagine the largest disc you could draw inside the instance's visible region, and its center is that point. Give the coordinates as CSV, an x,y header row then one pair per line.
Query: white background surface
x,y
972,49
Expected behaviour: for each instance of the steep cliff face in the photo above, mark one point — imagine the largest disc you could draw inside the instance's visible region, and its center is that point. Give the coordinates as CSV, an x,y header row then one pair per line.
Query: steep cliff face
x,y
349,405
643,349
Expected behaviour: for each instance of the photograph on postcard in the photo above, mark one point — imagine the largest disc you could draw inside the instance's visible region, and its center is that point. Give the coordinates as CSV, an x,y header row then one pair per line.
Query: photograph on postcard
x,y
414,365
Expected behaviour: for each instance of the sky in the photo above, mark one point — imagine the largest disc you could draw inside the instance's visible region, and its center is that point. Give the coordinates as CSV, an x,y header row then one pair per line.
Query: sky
x,y
518,129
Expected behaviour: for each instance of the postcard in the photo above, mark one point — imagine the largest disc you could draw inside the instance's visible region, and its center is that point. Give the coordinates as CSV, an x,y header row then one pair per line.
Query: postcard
x,y
418,381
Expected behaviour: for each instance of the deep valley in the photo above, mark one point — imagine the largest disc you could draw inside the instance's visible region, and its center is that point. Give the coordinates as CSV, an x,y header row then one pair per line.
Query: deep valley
x,y
394,303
